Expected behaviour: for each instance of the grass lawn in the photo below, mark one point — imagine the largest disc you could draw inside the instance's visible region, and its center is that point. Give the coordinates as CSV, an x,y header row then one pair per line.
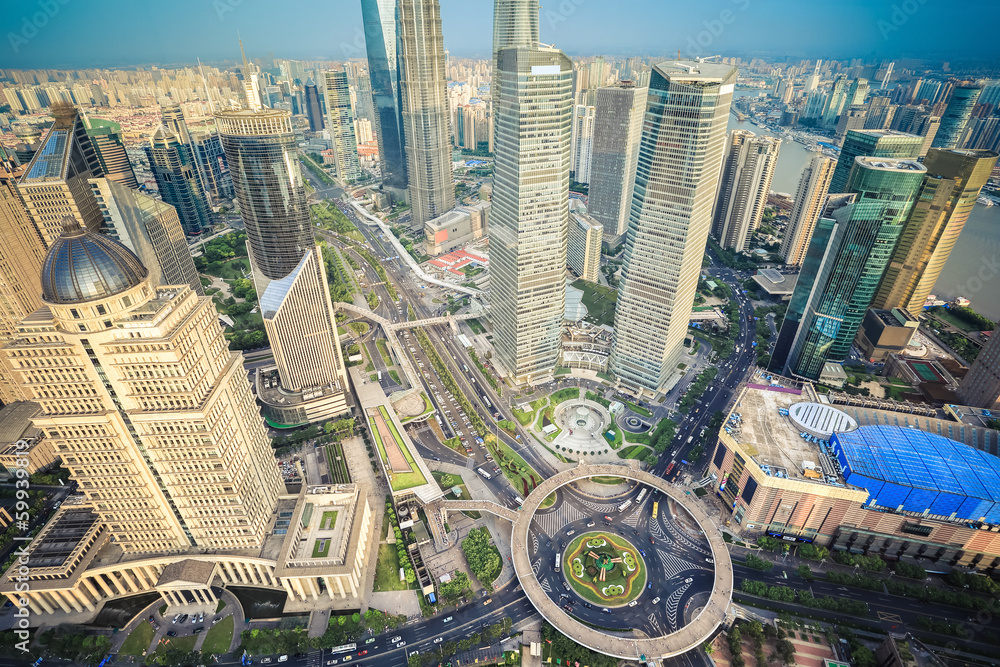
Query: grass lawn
x,y
231,269
373,377
600,479
523,418
549,501
599,300
638,409
336,464
219,637
219,607
641,438
321,548
330,515
360,328
564,395
635,452
522,475
395,376
387,570
183,644
383,349
401,481
447,482
476,326
944,315
589,586
138,640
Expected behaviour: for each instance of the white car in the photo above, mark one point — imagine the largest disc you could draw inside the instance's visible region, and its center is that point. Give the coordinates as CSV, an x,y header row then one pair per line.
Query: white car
x,y
633,603
396,639
282,658
656,600
439,640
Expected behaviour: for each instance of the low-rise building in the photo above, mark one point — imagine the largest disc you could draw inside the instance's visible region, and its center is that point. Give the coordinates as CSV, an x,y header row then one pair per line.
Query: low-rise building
x,y
455,228
583,250
885,332
20,442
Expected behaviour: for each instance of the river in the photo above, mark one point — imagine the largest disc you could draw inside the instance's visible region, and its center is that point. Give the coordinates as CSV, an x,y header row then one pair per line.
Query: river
x,y
972,269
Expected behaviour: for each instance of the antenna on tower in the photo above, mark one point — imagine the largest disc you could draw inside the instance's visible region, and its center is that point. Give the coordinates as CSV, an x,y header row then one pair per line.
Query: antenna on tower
x,y
208,93
888,73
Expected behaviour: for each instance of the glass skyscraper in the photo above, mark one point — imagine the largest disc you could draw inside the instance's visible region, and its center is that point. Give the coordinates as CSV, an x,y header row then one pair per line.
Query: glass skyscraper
x,y
515,23
872,143
177,177
680,155
529,219
885,191
341,126
381,43
956,116
314,109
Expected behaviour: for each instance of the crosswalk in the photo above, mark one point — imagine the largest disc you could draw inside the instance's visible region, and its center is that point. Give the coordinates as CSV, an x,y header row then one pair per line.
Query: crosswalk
x,y
672,565
600,508
314,659
681,537
552,522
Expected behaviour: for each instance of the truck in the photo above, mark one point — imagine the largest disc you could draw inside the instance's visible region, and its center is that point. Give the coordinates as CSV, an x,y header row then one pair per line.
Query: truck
x,y
558,560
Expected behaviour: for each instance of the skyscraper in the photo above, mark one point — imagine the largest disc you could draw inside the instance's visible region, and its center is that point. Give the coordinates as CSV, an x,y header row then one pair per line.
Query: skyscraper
x,y
55,182
956,115
288,268
748,167
515,23
583,247
172,117
314,108
981,387
851,118
424,109
872,143
618,113
885,191
680,154
341,126
835,100
529,219
152,440
953,182
176,172
107,139
22,252
149,228
813,187
582,143
212,165
856,92
379,18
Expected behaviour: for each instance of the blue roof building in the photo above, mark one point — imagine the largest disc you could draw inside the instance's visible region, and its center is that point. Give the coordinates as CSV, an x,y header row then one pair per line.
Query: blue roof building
x,y
915,471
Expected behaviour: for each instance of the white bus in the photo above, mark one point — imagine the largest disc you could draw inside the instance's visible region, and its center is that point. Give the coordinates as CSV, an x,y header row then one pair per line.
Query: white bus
x,y
558,560
345,648
642,494
487,401
484,473
625,505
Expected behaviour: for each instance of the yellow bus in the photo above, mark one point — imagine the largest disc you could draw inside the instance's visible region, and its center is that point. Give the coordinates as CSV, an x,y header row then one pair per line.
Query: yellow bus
x,y
656,508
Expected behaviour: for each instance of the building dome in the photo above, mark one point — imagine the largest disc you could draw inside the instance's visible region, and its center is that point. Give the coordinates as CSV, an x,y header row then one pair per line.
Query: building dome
x,y
83,266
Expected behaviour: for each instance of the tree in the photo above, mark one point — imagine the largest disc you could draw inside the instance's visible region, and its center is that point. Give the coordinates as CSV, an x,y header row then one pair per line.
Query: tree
x,y
813,552
786,651
651,460
804,572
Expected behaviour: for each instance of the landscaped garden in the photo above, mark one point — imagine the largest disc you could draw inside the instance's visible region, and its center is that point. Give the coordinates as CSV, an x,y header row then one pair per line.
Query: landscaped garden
x,y
604,569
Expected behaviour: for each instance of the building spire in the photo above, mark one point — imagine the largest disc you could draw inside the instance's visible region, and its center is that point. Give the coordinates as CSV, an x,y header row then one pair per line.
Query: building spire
x,y
251,82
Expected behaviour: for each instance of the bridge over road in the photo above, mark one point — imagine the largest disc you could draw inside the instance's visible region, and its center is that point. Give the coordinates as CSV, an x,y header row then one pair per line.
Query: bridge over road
x,y
445,506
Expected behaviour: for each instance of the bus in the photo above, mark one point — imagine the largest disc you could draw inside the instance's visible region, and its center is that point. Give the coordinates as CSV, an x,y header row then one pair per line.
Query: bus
x,y
669,469
487,401
642,495
484,473
656,508
625,505
558,560
345,648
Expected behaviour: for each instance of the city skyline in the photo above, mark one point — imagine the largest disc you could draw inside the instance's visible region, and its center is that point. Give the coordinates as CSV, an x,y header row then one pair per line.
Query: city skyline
x,y
334,31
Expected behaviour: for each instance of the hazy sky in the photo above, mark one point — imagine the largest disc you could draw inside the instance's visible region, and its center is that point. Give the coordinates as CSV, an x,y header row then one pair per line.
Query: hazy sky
x,y
77,33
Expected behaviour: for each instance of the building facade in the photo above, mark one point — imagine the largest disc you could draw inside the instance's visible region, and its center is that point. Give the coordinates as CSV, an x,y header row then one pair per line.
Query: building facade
x,y
618,114
515,23
671,213
583,251
748,167
314,107
948,194
341,126
582,143
424,109
809,198
107,140
177,178
529,219
956,116
872,143
981,387
455,228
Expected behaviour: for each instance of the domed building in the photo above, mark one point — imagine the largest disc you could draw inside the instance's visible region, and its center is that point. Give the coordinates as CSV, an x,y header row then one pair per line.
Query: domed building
x,y
143,401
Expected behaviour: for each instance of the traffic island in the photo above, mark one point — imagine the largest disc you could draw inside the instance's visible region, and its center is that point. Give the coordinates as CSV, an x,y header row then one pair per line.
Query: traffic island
x,y
605,569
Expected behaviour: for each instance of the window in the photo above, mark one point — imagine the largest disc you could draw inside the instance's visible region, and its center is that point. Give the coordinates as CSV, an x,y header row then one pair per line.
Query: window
x,y
75,313
101,310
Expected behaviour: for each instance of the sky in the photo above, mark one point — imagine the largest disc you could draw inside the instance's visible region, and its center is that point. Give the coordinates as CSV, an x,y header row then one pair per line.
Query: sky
x,y
119,33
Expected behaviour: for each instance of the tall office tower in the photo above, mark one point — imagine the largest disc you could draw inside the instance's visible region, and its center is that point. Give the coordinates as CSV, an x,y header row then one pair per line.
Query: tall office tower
x,y
152,439
149,228
106,137
815,104
314,108
55,182
747,169
680,155
288,269
956,115
176,172
885,190
583,247
880,113
423,93
22,252
983,133
212,165
953,182
618,114
515,23
872,143
851,118
927,126
581,143
172,117
341,126
809,199
530,217
363,98
835,100
981,387
857,92
379,18
812,81
253,86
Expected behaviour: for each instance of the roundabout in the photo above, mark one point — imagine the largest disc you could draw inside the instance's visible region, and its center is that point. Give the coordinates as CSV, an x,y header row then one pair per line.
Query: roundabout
x,y
605,569
667,572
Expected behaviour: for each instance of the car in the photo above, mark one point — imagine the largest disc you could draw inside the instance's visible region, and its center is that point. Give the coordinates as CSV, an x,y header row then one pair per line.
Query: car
x,y
562,544
348,658
588,605
590,524
633,603
199,629
439,640
282,658
183,618
150,618
605,610
710,561
488,601
784,574
652,541
565,585
171,634
331,662
371,640
217,619
201,617
395,639
642,553
400,644
194,618
649,586
548,544
688,580
656,600
607,518
176,616
635,532
362,652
